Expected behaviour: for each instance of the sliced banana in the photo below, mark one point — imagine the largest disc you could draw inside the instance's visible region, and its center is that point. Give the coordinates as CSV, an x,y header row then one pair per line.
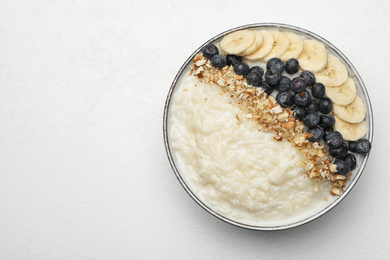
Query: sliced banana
x,y
255,45
237,42
344,94
295,48
314,56
352,113
350,132
280,45
265,48
334,74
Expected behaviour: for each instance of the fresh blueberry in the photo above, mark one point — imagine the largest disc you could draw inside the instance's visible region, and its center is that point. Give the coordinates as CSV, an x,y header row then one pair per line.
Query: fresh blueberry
x,y
298,84
317,134
267,88
292,66
309,77
352,146
233,59
284,84
312,107
351,160
275,63
342,167
258,69
218,61
253,78
210,50
334,139
302,99
339,152
284,98
273,76
300,113
327,121
326,105
363,146
318,90
241,68
311,120
326,131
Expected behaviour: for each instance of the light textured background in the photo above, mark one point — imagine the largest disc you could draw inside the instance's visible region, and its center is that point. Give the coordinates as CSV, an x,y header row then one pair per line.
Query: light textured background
x,y
83,170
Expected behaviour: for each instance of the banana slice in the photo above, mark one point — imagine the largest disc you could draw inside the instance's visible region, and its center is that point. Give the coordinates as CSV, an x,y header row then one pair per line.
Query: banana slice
x,y
280,46
265,48
344,94
334,74
237,42
295,48
314,56
255,45
352,113
350,132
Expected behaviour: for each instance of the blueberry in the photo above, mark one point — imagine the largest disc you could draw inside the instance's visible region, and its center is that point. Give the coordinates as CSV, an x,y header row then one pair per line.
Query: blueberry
x,y
326,131
284,84
327,121
302,99
318,90
292,66
267,88
275,63
326,105
218,61
300,113
258,69
311,120
351,160
241,68
342,167
284,98
253,78
334,139
210,50
298,84
233,59
273,76
317,134
352,146
309,77
363,146
339,152
312,107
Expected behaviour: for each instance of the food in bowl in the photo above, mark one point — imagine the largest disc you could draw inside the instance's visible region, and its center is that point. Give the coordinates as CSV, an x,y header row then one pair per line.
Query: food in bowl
x,y
250,157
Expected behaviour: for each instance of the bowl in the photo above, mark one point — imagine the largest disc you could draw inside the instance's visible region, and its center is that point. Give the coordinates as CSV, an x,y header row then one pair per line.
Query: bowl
x,y
361,160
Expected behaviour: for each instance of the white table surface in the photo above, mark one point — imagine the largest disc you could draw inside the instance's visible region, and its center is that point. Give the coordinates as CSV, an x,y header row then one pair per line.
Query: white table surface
x,y
83,169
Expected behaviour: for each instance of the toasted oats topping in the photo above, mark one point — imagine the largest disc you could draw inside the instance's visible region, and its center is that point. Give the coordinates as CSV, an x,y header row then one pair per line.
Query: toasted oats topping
x,y
271,117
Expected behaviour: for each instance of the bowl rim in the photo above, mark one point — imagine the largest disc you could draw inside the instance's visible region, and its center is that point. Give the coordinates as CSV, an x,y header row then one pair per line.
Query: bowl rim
x,y
270,227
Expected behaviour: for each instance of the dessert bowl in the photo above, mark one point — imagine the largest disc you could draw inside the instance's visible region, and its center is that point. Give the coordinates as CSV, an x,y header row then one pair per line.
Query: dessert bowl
x,y
287,222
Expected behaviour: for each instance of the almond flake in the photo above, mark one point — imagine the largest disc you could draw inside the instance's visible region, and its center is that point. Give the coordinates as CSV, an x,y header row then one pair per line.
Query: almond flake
x,y
309,166
198,70
221,82
335,191
333,167
339,177
200,62
239,116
